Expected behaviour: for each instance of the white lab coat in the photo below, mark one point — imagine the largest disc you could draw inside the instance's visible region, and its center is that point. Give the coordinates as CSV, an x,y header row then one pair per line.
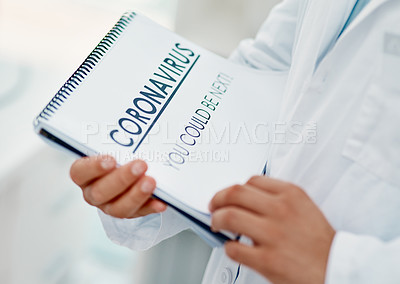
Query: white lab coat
x,y
349,91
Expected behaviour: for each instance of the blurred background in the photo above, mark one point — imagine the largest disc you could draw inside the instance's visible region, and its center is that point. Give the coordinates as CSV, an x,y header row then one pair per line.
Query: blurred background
x,y
48,234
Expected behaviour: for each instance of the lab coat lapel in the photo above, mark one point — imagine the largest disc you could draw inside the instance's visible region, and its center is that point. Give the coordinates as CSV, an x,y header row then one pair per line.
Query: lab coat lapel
x,y
367,11
322,23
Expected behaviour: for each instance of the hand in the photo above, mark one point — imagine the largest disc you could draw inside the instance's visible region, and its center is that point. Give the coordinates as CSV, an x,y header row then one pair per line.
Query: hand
x,y
291,237
123,192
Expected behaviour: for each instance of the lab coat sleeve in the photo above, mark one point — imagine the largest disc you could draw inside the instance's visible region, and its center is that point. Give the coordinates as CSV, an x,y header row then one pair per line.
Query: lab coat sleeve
x,y
144,232
272,48
356,259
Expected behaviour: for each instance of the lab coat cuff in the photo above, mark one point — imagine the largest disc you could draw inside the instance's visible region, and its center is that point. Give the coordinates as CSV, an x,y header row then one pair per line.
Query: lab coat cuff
x,y
172,223
144,232
343,259
137,234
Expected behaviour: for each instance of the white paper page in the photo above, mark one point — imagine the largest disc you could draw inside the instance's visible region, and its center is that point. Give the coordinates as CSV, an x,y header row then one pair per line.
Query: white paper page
x,y
235,105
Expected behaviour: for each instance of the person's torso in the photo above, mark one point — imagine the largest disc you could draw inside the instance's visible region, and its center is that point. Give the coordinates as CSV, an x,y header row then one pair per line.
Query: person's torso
x,y
341,143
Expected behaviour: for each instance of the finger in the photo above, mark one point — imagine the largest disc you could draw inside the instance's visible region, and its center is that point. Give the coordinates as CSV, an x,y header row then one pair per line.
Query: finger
x,y
248,255
113,184
268,184
239,221
129,203
150,207
87,169
244,196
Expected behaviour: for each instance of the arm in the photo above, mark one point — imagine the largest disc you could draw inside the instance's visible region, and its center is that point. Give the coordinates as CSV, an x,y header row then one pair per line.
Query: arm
x,y
129,215
292,240
144,232
145,223
291,237
273,45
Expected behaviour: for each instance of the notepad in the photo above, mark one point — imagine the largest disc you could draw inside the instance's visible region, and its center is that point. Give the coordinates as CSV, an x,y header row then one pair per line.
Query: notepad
x,y
200,121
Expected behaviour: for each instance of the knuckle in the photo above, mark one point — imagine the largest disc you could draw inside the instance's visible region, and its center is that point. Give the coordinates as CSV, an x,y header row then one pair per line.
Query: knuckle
x,y
273,233
265,227
74,178
228,217
254,179
275,264
111,210
135,198
232,193
282,209
117,213
290,185
268,260
107,209
293,189
232,251
291,196
86,197
95,195
74,171
144,211
276,235
82,170
124,177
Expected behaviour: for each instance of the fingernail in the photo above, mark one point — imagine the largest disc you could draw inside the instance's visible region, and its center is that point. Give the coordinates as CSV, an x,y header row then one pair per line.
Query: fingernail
x,y
108,164
159,207
138,168
147,187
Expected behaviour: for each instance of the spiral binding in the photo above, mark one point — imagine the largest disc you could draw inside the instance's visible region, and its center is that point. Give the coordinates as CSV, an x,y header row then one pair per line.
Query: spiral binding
x,y
86,67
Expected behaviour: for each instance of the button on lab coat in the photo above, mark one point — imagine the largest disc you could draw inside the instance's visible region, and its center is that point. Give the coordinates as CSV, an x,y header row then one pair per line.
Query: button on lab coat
x,y
345,92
